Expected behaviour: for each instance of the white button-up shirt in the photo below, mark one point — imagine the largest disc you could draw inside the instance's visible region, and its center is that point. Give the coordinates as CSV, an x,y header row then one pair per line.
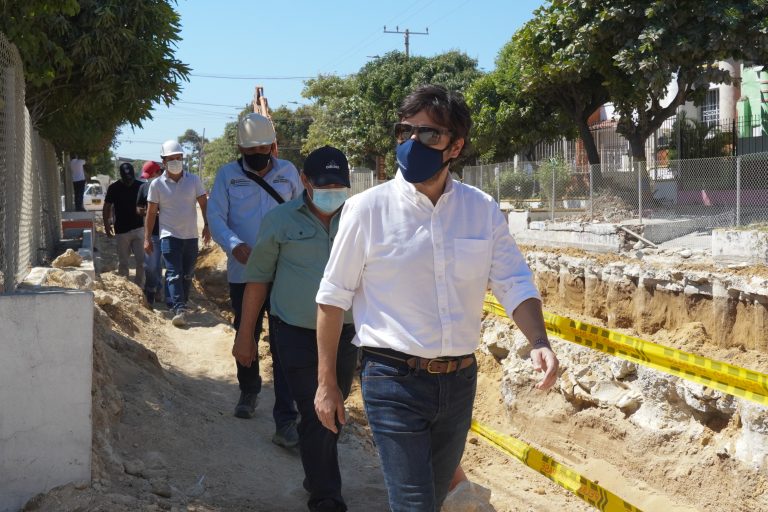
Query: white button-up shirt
x,y
415,274
177,201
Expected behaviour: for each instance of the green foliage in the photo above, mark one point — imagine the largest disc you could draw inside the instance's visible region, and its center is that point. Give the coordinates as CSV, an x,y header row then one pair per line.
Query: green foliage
x,y
635,48
553,170
694,139
516,185
547,63
94,65
292,128
507,121
193,143
219,151
356,113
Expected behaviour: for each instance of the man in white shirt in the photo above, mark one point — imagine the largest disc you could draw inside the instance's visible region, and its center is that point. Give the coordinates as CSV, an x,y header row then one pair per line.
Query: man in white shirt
x,y
414,256
175,194
77,166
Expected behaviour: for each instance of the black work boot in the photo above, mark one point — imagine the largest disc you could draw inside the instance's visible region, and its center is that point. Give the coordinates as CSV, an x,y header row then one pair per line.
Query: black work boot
x,y
246,406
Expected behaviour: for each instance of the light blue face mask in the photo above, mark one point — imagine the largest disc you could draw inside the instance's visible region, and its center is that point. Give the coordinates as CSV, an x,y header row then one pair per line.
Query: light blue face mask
x,y
328,200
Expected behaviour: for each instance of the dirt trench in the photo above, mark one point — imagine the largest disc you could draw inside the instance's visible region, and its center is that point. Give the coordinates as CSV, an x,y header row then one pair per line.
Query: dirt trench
x,y
165,437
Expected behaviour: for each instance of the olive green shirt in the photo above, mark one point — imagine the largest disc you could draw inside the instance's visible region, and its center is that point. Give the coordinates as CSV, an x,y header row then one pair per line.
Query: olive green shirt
x,y
291,251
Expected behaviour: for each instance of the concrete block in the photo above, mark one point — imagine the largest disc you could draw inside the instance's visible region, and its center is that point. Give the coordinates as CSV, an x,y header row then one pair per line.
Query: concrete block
x,y
518,221
45,392
739,246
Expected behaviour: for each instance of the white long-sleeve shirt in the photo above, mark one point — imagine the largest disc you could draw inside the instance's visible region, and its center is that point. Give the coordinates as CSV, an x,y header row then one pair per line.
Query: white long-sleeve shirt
x,y
416,274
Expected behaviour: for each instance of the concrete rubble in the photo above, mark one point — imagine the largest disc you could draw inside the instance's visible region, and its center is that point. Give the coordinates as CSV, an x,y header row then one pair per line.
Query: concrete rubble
x,y
652,400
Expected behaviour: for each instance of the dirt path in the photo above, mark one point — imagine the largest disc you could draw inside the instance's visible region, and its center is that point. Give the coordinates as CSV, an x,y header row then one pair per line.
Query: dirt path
x,y
211,456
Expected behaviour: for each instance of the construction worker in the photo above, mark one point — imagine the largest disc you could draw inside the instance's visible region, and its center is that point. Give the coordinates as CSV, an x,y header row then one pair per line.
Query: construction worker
x,y
174,194
244,191
129,226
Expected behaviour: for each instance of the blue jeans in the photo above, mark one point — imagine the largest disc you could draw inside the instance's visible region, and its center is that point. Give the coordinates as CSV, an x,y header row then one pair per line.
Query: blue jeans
x,y
153,270
248,378
180,255
419,423
317,444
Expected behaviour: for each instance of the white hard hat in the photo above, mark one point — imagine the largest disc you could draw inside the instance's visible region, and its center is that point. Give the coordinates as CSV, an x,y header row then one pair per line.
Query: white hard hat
x,y
255,130
171,147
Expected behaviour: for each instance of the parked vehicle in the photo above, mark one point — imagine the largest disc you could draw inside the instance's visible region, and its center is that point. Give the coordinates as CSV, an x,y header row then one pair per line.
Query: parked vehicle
x,y
93,198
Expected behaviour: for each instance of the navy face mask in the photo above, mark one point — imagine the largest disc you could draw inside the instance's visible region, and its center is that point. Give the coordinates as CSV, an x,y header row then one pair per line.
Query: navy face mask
x,y
418,162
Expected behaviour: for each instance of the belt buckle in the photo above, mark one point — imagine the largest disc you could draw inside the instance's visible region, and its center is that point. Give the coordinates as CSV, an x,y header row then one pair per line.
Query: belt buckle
x,y
438,360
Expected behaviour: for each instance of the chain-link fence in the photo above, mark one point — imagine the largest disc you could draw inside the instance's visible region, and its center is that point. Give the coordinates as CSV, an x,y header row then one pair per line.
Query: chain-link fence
x,y
362,179
676,201
29,197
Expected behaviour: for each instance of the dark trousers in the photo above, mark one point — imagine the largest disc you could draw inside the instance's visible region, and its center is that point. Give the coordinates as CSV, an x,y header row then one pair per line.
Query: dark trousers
x,y
249,379
79,189
319,454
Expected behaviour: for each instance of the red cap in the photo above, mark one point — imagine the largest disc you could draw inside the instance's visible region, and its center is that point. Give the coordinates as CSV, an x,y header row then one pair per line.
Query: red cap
x,y
149,169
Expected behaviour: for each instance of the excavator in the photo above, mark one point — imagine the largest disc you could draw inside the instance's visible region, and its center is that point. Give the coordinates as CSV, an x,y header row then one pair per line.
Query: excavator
x,y
261,106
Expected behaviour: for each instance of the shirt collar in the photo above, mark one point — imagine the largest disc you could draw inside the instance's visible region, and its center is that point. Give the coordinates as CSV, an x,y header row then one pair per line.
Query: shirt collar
x,y
409,189
166,176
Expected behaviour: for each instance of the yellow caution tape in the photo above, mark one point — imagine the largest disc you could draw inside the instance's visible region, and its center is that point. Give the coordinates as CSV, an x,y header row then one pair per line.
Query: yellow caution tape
x,y
727,378
564,476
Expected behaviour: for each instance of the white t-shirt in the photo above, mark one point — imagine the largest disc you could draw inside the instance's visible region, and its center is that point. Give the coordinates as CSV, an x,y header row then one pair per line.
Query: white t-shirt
x,y
78,171
177,202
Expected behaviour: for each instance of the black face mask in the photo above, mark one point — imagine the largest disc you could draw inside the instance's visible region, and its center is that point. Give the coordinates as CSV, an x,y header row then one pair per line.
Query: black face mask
x,y
257,162
127,175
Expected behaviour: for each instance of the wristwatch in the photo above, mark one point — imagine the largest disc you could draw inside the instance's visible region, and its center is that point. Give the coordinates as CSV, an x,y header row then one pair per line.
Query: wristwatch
x,y
541,343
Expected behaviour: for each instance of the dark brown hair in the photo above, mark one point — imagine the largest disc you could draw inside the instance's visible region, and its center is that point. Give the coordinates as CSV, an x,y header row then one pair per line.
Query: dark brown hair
x,y
446,107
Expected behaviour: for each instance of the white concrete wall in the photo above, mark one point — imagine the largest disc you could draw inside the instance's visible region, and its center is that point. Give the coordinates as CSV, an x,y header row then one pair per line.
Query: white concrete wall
x,y
46,341
733,246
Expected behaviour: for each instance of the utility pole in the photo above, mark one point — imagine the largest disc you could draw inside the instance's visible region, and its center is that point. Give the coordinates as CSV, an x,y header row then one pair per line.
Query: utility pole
x,y
200,153
407,33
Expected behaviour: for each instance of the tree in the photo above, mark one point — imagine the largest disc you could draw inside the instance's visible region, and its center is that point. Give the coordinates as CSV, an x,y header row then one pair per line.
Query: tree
x,y
357,113
193,144
219,151
507,121
634,50
555,71
655,43
94,65
292,128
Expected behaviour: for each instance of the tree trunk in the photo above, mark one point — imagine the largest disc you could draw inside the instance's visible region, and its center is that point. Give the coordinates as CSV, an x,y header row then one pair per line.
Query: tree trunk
x,y
637,146
593,155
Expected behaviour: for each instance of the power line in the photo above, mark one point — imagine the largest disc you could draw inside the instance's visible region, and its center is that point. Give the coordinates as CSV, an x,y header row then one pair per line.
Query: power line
x,y
230,77
212,104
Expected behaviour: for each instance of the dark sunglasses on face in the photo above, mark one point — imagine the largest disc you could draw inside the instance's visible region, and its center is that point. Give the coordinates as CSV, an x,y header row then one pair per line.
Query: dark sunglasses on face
x,y
429,135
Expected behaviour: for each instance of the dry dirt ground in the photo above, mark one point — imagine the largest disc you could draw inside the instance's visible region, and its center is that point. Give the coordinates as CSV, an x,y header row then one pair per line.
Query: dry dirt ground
x,y
165,437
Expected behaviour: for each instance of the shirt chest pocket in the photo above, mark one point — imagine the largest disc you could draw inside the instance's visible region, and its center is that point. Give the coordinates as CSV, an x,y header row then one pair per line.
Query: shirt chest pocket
x,y
242,192
299,234
471,257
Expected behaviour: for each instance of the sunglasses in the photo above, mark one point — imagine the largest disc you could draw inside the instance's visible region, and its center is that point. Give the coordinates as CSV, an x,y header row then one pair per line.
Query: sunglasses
x,y
428,135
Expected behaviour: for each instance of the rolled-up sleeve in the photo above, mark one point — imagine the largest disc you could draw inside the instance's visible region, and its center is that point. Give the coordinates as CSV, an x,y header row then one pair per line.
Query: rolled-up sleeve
x,y
510,278
345,266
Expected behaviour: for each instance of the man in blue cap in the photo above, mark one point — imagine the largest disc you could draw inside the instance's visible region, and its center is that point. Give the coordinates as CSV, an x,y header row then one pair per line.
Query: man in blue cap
x,y
289,256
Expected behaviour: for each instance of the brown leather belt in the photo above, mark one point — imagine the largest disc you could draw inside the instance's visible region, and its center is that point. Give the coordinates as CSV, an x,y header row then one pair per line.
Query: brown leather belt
x,y
438,365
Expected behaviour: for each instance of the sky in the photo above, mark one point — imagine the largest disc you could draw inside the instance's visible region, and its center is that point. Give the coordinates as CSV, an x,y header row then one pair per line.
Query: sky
x,y
234,45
